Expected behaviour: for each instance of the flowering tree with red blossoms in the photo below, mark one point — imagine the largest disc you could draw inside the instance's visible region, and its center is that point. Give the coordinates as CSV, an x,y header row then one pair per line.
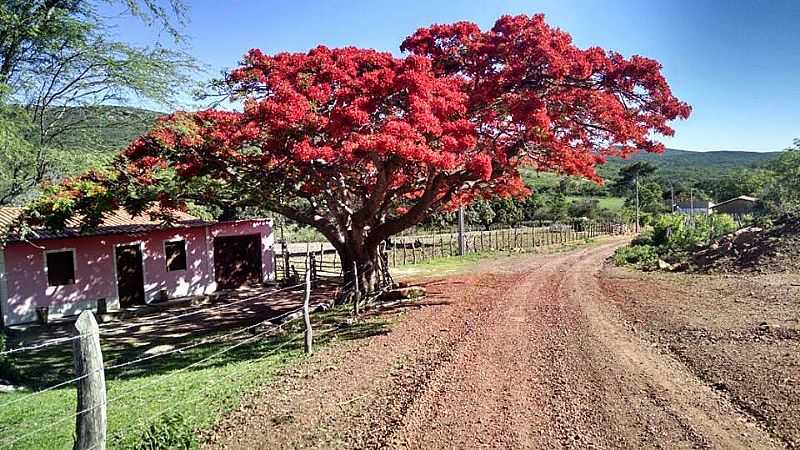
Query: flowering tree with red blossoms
x,y
362,145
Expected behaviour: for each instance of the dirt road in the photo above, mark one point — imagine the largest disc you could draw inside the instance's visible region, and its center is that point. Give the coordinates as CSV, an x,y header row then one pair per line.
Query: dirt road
x,y
523,353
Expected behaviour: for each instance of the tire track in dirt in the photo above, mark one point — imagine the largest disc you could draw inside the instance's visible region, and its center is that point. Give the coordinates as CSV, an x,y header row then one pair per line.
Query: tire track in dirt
x,y
677,406
524,355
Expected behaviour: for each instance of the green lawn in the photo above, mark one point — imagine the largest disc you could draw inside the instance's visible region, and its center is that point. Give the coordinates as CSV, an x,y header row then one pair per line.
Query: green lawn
x,y
161,405
612,203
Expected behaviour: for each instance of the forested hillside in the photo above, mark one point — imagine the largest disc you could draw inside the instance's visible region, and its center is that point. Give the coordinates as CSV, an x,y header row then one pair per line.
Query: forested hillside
x,y
79,138
109,128
690,165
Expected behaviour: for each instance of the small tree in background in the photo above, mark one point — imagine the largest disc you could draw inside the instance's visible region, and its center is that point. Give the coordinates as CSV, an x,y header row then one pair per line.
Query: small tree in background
x,y
481,212
60,68
362,145
782,194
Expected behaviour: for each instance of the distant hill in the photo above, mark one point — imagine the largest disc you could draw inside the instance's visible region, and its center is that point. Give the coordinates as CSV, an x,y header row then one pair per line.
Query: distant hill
x,y
108,128
692,165
115,126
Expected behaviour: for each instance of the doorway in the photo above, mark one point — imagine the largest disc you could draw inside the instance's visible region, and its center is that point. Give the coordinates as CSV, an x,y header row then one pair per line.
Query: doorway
x,y
237,261
130,275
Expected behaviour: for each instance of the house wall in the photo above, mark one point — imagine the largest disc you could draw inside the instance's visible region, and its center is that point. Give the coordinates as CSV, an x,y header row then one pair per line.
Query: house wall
x,y
95,271
3,285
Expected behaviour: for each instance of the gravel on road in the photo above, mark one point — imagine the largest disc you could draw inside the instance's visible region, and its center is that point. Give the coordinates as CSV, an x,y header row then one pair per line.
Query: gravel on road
x,y
523,352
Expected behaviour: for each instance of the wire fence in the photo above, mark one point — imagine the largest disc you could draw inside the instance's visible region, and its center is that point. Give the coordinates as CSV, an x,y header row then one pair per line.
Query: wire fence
x,y
290,259
403,250
237,338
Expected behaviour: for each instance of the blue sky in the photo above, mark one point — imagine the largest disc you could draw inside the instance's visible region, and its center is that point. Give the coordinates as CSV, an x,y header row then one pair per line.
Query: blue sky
x,y
736,62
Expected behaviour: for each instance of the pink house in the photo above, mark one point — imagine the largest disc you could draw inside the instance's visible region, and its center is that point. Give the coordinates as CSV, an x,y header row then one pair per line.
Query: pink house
x,y
128,261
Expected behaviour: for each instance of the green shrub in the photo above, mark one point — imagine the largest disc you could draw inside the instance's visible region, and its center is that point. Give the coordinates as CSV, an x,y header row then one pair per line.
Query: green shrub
x,y
641,256
645,238
171,431
675,233
764,222
672,238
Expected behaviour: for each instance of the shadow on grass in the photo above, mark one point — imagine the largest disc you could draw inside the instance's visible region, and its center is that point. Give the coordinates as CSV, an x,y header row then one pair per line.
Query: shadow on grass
x,y
208,334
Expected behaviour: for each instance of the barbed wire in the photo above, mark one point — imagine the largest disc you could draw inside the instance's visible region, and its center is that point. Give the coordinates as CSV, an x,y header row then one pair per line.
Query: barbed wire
x,y
197,363
146,385
47,389
161,379
44,344
50,425
203,342
147,358
235,372
56,341
263,296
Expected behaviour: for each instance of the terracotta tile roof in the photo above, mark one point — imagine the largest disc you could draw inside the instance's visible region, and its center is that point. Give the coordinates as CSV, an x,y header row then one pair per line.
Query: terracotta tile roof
x,y
7,217
117,222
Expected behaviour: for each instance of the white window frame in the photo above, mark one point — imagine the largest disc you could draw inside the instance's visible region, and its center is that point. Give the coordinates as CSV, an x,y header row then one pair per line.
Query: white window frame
x,y
74,267
185,253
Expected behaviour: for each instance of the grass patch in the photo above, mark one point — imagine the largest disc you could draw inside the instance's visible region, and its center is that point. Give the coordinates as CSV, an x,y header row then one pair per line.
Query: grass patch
x,y
459,264
610,203
155,407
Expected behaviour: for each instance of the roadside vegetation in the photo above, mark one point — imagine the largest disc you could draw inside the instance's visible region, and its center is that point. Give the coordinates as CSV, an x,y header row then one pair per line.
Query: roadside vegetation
x,y
676,241
155,406
671,239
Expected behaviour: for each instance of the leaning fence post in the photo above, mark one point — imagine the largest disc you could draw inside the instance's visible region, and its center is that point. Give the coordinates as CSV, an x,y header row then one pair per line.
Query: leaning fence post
x,y
90,421
307,315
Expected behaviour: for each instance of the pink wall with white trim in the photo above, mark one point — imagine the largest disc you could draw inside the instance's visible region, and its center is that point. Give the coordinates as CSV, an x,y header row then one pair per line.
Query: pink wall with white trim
x,y
95,275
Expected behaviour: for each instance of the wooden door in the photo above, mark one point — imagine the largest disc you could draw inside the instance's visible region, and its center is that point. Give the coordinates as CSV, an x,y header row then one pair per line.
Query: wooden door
x,y
130,275
237,260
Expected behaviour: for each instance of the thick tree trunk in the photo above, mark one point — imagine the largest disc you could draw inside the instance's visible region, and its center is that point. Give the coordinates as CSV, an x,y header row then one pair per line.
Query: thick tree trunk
x,y
363,261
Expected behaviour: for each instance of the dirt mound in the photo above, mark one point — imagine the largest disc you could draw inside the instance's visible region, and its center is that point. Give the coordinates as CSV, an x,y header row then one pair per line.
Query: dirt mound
x,y
753,249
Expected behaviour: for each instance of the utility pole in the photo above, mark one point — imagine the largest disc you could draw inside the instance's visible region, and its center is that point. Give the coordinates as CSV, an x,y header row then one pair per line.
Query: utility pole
x,y
672,196
461,237
691,205
637,204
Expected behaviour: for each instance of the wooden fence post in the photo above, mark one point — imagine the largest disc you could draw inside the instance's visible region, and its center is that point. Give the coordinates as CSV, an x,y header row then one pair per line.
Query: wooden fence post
x,y
285,254
450,245
309,336
90,422
357,296
533,237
